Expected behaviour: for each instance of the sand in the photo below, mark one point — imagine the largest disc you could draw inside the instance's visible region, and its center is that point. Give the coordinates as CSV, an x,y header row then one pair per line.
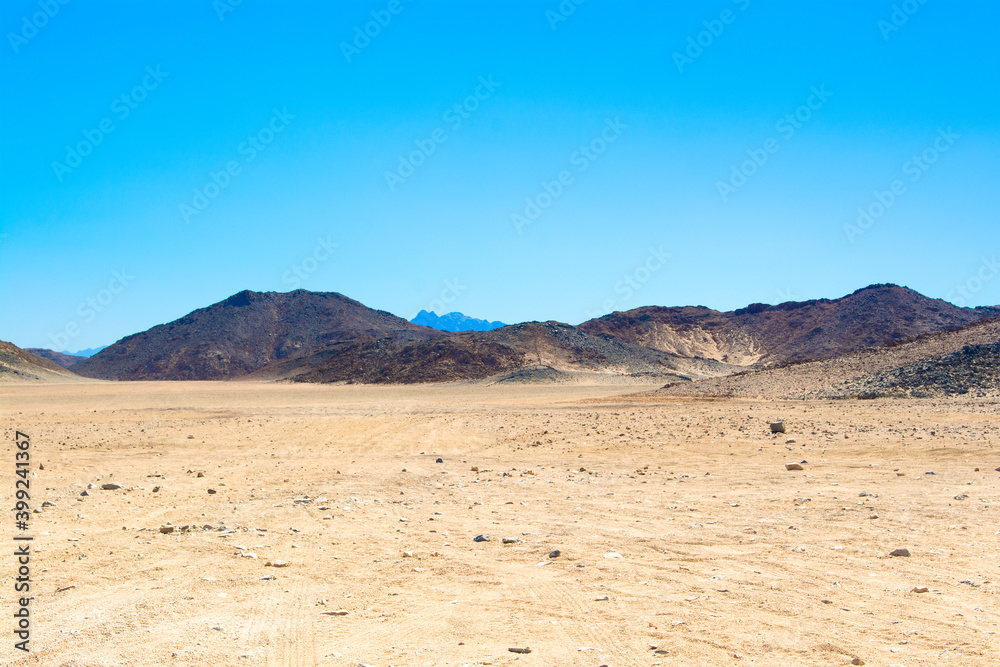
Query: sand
x,y
678,525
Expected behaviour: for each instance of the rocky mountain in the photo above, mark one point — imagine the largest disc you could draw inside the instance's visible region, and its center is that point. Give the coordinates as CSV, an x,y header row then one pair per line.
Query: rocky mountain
x,y
327,337
553,350
956,362
61,358
794,331
17,365
454,322
244,333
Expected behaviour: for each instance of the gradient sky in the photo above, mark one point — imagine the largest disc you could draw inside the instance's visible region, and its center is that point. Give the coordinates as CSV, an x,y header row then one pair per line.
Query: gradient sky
x,y
644,209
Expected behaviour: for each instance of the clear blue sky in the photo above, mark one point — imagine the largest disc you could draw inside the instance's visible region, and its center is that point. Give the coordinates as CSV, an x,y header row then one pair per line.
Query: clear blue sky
x,y
652,200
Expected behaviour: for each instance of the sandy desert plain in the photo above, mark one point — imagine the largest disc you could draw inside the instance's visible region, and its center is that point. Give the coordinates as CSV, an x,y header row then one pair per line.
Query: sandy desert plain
x,y
683,539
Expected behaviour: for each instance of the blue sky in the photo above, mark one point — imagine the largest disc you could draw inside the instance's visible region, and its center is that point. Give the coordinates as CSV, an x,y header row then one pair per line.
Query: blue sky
x,y
618,155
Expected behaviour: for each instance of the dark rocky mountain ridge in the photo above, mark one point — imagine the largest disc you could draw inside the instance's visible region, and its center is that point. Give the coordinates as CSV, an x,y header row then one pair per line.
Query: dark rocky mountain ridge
x,y
327,337
763,335
244,333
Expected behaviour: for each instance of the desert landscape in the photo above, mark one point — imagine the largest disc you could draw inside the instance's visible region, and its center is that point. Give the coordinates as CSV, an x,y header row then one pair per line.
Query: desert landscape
x,y
226,523
510,334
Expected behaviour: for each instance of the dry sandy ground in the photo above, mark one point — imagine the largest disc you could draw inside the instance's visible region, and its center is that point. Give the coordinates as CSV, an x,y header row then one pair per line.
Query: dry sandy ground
x,y
725,558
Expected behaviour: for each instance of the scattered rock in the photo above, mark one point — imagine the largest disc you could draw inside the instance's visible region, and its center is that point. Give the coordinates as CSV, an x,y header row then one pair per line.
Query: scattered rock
x,y
481,538
200,474
900,552
555,554
438,460
793,466
276,563
48,503
111,486
211,491
510,540
268,577
778,427
961,496
84,493
857,661
612,555
919,589
520,650
155,489
166,530
603,598
791,441
339,612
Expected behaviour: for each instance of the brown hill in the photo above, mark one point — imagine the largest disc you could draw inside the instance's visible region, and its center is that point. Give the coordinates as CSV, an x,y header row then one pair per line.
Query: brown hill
x,y
794,331
62,359
518,352
17,365
244,333
960,361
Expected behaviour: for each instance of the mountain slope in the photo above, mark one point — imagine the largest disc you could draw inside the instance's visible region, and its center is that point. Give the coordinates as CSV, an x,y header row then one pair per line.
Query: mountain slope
x,y
793,331
17,365
243,333
958,361
61,358
564,351
454,322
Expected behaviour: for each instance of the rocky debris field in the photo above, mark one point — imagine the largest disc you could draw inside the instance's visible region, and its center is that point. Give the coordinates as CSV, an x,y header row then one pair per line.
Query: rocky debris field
x,y
975,371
